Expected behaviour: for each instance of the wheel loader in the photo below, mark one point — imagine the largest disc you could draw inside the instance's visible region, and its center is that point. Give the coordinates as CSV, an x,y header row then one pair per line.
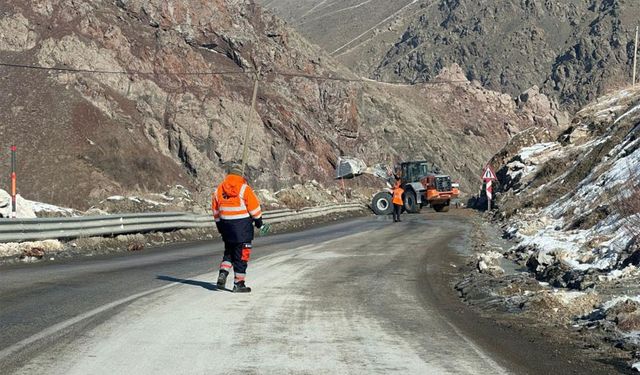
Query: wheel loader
x,y
422,186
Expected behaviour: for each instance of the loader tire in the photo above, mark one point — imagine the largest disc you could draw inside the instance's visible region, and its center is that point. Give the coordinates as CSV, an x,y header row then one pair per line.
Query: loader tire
x,y
381,203
411,202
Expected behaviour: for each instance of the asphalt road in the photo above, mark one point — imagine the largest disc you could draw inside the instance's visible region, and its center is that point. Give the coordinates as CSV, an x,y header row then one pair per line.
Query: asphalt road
x,y
360,297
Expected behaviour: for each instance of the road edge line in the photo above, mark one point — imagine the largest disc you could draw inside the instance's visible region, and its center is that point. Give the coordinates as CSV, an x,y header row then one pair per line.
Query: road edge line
x,y
4,353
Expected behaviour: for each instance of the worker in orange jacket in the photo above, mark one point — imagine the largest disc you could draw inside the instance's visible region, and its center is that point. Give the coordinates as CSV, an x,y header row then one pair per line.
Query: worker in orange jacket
x,y
236,209
397,201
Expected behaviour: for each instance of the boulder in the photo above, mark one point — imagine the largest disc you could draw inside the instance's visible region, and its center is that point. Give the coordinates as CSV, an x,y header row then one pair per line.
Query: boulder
x,y
540,260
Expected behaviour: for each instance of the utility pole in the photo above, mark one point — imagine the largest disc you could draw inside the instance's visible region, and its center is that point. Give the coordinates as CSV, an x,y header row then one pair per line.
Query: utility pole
x,y
635,57
245,148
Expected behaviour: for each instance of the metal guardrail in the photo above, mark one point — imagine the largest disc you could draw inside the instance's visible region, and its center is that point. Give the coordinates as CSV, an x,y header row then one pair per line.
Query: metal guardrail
x,y
19,230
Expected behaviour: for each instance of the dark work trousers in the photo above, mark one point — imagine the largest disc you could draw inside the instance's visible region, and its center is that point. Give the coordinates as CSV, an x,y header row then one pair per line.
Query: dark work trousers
x,y
397,210
236,256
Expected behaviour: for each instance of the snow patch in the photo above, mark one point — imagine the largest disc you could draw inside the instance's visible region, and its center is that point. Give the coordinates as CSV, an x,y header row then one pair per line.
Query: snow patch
x,y
40,207
536,150
14,249
633,110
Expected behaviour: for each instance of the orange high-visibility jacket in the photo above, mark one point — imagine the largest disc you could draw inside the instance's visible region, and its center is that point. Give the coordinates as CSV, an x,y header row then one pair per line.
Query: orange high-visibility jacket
x,y
235,206
397,195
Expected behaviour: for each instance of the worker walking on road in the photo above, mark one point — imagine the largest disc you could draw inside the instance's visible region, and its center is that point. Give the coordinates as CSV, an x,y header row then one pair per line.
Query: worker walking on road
x,y
236,209
397,201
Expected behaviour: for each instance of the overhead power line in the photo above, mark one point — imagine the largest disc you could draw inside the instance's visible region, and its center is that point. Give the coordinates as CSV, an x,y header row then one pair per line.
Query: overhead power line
x,y
222,73
121,72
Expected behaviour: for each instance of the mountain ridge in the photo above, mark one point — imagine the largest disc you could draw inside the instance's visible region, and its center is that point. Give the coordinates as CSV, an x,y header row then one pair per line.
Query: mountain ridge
x,y
83,136
574,51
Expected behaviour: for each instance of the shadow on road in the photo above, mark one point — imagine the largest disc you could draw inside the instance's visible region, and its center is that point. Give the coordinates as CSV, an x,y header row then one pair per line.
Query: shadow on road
x,y
203,284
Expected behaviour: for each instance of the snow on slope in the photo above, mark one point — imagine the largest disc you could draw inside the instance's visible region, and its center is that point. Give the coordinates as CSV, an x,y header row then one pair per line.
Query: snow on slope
x,y
573,206
565,195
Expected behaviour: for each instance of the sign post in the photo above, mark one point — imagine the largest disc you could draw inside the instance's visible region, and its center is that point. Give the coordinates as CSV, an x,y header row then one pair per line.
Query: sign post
x,y
488,176
13,182
489,194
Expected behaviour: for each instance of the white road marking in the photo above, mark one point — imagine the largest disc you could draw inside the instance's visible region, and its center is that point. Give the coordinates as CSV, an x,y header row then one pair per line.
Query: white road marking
x,y
4,353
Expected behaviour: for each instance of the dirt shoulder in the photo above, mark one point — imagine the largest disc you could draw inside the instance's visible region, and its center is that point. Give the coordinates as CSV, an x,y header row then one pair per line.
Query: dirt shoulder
x,y
528,341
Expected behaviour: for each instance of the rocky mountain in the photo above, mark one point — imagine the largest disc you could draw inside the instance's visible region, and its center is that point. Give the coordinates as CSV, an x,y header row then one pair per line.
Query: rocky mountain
x,y
574,50
357,33
141,94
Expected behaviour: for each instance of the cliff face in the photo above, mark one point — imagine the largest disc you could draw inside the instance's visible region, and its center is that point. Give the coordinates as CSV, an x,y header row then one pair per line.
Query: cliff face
x,y
84,135
574,50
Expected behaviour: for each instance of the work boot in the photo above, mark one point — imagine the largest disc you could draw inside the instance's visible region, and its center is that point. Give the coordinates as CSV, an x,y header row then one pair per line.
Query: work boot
x,y
241,288
222,279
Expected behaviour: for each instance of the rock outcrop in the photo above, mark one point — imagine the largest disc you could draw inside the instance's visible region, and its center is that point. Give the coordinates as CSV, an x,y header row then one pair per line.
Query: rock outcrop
x,y
575,51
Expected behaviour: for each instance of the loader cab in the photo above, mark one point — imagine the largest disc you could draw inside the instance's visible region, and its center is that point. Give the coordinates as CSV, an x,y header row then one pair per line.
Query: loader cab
x,y
414,171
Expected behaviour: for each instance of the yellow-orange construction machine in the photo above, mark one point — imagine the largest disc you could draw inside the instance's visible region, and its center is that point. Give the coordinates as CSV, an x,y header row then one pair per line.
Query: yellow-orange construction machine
x,y
423,186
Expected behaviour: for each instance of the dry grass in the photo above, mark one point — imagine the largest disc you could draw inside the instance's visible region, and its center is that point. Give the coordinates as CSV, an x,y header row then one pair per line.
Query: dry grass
x,y
550,170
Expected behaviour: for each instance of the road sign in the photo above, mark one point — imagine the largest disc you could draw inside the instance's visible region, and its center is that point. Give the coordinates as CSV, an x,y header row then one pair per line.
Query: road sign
x,y
489,174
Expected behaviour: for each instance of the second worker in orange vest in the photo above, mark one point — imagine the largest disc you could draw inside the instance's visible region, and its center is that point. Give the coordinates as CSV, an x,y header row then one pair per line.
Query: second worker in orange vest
x,y
236,209
397,201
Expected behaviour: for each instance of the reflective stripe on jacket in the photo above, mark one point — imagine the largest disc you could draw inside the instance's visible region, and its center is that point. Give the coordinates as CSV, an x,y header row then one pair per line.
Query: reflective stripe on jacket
x,y
235,206
397,195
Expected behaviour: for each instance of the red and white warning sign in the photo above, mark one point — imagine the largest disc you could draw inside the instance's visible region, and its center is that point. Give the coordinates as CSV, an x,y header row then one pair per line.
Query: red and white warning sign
x,y
489,174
